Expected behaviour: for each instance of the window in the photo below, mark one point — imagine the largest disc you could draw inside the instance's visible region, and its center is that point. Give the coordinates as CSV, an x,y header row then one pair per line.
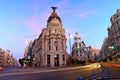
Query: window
x,y
49,41
76,44
117,22
63,57
56,48
55,41
48,60
48,57
49,32
77,55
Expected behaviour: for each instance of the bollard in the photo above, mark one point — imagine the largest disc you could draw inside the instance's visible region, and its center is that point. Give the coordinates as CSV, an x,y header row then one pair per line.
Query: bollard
x,y
108,71
93,76
103,76
79,78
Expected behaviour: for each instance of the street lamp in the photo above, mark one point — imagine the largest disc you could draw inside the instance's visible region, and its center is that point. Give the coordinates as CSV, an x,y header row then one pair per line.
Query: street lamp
x,y
70,36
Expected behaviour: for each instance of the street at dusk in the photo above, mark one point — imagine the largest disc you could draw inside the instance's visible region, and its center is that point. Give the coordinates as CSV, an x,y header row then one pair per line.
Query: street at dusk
x,y
71,73
59,40
54,74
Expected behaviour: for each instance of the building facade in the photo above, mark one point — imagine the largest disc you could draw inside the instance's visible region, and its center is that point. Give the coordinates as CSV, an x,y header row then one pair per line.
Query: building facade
x,y
111,45
95,54
6,59
79,49
28,51
1,56
49,49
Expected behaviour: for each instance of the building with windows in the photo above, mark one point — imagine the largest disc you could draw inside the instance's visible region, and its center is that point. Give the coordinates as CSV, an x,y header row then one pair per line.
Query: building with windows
x,y
79,49
111,45
1,57
28,50
6,59
95,54
49,49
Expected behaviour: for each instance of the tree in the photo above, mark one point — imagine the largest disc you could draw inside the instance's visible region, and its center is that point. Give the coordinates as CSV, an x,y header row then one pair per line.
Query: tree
x,y
21,62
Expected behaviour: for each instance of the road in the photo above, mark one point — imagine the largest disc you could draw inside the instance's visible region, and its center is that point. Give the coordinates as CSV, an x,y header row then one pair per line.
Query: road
x,y
69,73
54,74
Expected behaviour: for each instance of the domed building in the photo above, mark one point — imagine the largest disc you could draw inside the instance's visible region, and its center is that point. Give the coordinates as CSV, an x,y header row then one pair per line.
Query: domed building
x,y
49,49
79,50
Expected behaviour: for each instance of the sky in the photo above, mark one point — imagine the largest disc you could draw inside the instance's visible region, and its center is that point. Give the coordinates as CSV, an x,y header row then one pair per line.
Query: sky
x,y
20,19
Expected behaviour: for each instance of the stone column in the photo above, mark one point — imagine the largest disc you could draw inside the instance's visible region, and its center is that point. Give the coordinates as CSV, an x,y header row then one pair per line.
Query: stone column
x,y
46,45
52,44
64,43
60,60
65,57
45,61
58,44
51,60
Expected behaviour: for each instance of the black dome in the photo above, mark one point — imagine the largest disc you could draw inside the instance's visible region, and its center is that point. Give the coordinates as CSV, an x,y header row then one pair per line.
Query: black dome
x,y
51,17
54,15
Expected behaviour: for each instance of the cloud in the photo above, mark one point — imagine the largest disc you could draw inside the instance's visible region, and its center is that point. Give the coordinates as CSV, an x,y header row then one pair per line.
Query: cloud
x,y
38,20
33,23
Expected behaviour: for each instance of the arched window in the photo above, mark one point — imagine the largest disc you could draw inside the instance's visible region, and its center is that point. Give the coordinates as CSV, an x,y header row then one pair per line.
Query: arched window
x,y
55,31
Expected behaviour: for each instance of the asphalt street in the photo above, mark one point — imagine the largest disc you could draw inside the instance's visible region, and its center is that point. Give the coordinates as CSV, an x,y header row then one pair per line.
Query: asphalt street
x,y
56,74
73,73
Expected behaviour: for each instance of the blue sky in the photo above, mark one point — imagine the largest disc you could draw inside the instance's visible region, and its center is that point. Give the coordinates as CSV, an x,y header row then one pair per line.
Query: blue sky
x,y
22,18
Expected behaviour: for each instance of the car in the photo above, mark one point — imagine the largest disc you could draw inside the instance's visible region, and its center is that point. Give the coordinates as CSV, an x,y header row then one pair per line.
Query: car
x,y
1,68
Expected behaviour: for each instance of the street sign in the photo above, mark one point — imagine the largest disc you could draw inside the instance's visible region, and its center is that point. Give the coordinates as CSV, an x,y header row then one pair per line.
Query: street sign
x,y
79,78
103,76
93,76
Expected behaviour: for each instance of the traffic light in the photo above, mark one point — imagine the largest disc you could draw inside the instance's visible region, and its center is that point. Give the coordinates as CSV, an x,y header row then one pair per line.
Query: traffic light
x,y
112,47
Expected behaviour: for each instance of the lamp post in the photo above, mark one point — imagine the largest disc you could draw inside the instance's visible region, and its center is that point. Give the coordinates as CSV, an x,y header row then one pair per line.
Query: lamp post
x,y
70,48
70,42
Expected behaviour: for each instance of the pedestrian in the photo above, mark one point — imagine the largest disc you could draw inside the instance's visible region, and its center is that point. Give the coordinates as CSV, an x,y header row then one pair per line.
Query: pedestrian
x,y
103,76
80,78
93,76
108,71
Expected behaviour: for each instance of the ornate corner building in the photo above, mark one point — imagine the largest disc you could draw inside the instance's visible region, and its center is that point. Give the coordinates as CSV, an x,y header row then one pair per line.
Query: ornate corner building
x,y
79,49
49,49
